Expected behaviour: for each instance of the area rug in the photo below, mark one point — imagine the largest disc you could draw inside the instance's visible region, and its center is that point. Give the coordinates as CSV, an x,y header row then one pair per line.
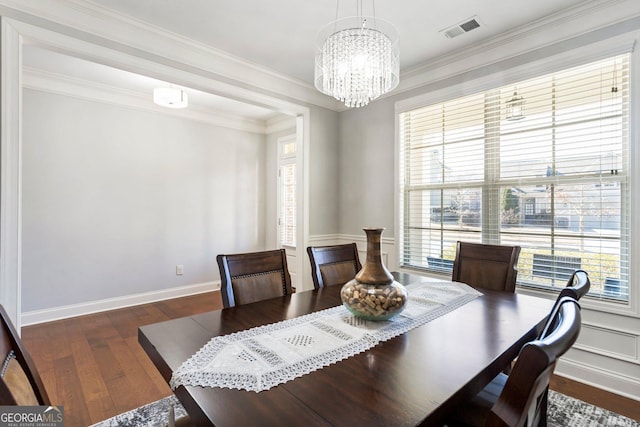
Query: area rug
x,y
564,411
152,415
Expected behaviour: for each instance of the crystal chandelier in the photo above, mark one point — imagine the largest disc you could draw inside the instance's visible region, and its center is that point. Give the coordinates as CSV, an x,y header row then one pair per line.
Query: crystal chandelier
x,y
357,59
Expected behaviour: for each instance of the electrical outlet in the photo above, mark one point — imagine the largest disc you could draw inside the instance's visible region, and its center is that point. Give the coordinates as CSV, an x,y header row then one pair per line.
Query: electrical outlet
x,y
179,270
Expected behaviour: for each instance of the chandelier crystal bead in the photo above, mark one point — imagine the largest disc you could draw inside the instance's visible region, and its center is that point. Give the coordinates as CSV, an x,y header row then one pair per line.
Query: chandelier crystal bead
x,y
357,60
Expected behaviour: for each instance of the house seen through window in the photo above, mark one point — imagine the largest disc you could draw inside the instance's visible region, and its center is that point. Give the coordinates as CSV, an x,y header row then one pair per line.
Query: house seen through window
x,y
552,178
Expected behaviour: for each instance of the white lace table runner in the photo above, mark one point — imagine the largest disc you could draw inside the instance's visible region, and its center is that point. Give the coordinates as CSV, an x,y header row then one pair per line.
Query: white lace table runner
x,y
266,356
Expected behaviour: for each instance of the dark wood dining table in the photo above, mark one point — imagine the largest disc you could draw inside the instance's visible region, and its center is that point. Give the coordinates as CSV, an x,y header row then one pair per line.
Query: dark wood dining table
x,y
417,378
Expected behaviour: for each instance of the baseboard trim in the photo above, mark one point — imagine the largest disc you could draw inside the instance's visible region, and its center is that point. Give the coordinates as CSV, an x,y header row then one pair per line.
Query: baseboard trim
x,y
64,312
598,377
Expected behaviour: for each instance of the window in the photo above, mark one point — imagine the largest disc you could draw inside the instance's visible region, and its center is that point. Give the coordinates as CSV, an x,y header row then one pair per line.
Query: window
x,y
554,181
287,191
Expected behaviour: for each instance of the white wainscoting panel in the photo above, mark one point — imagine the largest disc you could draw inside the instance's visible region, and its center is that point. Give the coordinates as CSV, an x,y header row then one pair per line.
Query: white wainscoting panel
x,y
387,248
603,372
608,341
292,264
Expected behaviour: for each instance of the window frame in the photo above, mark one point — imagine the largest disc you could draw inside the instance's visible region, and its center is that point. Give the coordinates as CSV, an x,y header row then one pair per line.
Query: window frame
x,y
457,87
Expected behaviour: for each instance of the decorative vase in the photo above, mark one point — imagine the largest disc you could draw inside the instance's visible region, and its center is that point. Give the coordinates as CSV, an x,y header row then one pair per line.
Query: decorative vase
x,y
374,294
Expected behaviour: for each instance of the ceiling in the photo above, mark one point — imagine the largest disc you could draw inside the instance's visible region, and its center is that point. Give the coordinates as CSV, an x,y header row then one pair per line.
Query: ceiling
x,y
39,58
279,35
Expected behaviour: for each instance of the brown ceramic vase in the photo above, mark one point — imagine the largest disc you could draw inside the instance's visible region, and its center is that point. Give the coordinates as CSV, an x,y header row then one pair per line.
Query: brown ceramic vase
x,y
374,294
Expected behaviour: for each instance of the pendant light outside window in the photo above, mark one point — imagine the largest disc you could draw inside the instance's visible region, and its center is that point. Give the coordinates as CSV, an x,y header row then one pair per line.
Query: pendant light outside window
x,y
357,58
170,97
515,107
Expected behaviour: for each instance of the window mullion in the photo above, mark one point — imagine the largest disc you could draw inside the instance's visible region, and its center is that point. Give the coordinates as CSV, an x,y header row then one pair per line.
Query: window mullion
x,y
490,190
552,195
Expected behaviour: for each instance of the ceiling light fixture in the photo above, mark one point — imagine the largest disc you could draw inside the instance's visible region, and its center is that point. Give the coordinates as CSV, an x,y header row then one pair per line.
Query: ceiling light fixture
x,y
357,58
171,97
515,107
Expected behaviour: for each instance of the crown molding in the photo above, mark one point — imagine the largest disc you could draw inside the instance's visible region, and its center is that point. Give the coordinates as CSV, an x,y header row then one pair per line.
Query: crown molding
x,y
583,18
45,81
281,123
92,22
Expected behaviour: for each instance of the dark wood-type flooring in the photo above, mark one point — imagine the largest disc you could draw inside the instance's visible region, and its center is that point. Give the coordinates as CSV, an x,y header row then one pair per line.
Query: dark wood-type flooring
x,y
94,366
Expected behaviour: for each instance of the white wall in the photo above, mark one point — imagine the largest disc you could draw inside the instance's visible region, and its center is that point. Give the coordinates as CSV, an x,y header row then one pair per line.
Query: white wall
x,y
114,198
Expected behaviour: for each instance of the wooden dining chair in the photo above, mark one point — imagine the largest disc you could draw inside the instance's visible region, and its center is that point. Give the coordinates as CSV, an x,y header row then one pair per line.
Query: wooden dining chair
x,y
578,286
520,399
20,383
183,421
486,266
255,276
333,265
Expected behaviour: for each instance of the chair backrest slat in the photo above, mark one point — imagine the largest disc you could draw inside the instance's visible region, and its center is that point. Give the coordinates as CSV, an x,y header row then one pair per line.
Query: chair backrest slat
x,y
333,265
254,276
578,286
486,266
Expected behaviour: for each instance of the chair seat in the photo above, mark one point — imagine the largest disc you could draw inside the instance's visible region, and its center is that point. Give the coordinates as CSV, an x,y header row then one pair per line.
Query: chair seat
x,y
477,410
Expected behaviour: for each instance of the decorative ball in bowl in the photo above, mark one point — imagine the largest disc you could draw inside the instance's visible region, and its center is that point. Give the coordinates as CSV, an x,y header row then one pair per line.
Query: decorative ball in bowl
x,y
374,302
374,294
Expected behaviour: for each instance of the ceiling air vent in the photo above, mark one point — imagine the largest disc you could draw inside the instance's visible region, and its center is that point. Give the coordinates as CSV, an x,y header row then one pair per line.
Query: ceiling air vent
x,y
461,28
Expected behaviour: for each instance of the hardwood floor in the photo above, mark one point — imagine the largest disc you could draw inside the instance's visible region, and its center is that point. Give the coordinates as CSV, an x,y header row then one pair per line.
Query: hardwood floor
x,y
94,366
613,402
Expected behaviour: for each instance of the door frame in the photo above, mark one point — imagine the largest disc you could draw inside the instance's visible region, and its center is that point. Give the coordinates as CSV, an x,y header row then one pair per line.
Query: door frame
x,y
15,34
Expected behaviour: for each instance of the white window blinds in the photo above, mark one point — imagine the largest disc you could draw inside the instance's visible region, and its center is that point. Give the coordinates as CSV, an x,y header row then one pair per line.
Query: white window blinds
x,y
552,179
288,205
287,192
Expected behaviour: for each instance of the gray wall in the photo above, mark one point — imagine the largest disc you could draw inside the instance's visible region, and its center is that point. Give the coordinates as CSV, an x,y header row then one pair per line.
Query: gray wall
x,y
324,172
366,156
324,175
114,198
